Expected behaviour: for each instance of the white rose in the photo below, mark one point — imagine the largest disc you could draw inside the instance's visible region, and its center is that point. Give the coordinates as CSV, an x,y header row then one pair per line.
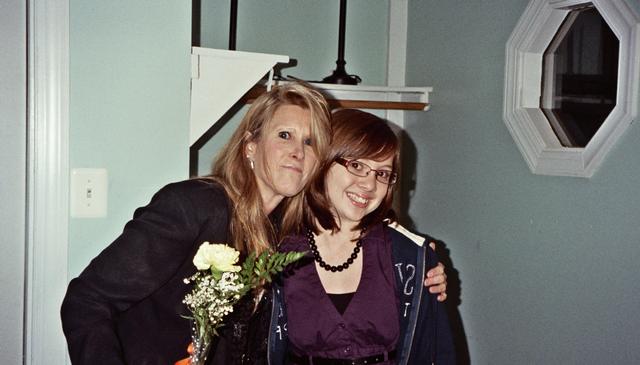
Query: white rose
x,y
217,256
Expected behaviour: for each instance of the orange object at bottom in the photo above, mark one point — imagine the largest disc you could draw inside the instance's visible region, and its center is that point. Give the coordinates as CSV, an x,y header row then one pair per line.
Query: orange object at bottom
x,y
186,361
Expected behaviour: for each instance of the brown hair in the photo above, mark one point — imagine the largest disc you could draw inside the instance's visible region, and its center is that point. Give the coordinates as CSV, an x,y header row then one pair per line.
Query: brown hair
x,y
250,228
356,134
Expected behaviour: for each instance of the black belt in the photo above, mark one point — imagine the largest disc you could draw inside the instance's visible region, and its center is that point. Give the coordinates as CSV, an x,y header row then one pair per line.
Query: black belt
x,y
313,360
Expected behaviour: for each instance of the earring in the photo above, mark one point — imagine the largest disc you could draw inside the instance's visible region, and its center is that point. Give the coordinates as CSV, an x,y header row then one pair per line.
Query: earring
x,y
251,163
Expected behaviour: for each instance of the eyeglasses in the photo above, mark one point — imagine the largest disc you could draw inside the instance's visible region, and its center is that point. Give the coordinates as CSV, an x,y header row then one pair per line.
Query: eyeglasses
x,y
362,169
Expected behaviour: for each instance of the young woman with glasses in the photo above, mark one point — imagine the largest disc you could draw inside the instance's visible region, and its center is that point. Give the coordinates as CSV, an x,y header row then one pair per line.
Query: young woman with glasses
x,y
358,297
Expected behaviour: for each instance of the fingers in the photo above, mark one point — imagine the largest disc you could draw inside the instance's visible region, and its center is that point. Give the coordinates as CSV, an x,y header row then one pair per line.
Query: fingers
x,y
436,271
442,297
436,279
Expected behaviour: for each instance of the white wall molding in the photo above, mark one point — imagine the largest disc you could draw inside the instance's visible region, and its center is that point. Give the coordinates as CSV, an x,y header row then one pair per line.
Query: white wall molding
x,y
397,47
397,52
528,126
48,176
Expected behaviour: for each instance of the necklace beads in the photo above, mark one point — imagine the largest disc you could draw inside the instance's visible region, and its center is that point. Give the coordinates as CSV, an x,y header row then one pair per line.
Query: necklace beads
x,y
316,254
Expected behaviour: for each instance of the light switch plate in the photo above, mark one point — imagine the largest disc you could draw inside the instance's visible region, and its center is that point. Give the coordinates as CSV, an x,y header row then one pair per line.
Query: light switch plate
x,y
89,190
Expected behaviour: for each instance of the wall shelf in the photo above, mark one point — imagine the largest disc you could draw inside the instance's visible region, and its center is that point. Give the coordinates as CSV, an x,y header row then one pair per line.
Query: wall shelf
x,y
364,97
220,79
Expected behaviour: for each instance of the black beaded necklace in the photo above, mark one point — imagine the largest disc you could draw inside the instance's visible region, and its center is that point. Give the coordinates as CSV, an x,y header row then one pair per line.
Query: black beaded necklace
x,y
324,265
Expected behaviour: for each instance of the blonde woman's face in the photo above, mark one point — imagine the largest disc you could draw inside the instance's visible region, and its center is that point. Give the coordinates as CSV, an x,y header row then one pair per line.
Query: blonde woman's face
x,y
283,155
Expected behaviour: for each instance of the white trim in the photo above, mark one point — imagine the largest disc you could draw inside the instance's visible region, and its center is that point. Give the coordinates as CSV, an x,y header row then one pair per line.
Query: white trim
x,y
397,46
48,176
397,53
528,126
417,239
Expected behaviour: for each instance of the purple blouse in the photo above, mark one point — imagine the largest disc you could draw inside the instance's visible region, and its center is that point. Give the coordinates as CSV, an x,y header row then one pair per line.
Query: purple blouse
x,y
369,326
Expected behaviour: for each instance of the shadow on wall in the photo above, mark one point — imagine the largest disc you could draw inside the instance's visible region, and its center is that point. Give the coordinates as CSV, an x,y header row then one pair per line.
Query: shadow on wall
x,y
454,299
454,288
194,150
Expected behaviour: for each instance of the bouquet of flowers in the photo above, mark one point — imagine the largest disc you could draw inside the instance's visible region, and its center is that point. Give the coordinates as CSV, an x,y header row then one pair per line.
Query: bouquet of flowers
x,y
219,284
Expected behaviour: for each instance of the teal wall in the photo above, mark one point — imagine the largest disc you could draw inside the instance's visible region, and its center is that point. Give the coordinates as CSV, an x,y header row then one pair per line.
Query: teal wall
x,y
129,109
548,266
129,86
13,174
305,30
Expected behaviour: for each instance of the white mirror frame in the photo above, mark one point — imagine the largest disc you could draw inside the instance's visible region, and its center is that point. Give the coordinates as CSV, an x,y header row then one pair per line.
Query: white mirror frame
x,y
528,126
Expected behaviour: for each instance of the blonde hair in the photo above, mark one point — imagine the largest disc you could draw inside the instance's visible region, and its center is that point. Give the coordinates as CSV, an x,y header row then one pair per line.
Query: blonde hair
x,y
250,228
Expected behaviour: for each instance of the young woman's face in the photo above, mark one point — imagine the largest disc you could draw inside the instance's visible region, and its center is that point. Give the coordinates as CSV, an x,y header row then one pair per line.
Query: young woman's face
x,y
353,197
283,156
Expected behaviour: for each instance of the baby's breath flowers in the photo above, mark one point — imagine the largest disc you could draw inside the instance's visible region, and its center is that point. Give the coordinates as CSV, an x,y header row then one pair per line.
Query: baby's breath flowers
x,y
220,283
212,299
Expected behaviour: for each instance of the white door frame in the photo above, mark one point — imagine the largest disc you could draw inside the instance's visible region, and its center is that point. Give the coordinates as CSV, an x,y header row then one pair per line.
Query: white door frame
x,y
47,176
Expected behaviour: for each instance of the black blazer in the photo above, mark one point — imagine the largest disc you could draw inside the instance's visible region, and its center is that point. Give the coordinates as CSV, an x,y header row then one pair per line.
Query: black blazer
x,y
126,306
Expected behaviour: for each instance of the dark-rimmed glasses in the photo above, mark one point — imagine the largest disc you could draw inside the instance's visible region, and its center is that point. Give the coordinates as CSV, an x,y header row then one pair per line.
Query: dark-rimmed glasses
x,y
362,169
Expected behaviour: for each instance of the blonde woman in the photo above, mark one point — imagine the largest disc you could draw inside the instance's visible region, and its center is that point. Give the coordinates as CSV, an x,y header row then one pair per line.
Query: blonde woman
x,y
126,306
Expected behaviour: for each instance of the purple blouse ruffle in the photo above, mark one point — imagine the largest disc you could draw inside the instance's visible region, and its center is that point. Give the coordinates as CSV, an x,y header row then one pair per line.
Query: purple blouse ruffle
x,y
369,326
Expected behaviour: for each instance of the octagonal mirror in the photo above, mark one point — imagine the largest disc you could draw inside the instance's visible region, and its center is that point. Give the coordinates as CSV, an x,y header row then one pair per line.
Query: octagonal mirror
x,y
580,72
571,82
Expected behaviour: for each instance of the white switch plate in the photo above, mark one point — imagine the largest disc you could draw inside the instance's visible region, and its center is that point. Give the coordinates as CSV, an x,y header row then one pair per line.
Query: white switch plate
x,y
89,190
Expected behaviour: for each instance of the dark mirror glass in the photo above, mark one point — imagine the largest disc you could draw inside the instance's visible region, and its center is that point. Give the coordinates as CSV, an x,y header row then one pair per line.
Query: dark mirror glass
x,y
580,71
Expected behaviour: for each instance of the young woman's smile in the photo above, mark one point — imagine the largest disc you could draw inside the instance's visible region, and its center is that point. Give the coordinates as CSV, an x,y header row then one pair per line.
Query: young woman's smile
x,y
353,197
